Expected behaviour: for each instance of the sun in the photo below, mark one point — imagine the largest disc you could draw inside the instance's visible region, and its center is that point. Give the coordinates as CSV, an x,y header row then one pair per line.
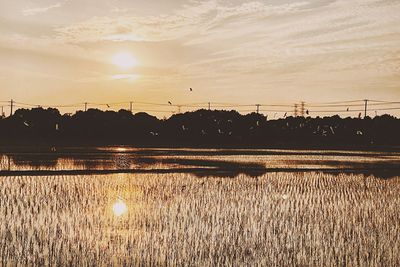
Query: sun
x,y
124,60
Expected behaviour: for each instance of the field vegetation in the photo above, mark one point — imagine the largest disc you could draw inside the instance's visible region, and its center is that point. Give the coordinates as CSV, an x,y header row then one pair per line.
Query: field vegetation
x,y
280,219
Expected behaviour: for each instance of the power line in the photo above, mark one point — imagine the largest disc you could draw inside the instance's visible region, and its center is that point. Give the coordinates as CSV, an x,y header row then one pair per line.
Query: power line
x,y
353,110
334,105
383,103
299,109
337,102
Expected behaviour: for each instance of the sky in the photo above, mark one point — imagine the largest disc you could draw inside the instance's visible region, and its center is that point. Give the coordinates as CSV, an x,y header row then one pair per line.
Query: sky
x,y
57,52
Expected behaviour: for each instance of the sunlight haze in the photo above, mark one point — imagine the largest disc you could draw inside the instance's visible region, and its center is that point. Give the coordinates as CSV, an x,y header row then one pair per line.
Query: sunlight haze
x,y
229,51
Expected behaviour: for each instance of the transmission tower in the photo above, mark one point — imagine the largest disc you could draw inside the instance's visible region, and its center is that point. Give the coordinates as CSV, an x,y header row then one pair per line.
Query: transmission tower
x,y
302,108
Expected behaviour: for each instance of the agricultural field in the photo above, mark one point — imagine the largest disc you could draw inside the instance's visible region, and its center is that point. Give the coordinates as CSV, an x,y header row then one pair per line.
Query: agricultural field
x,y
180,219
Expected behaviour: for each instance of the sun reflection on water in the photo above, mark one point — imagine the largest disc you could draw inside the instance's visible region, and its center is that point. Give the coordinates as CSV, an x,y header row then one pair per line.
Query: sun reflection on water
x,y
119,208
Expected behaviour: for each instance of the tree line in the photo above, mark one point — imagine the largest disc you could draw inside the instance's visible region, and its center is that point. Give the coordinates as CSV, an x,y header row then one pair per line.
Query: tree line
x,y
201,128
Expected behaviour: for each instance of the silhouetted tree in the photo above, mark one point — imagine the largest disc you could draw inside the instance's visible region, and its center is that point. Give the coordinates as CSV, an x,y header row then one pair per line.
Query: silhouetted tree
x,y
201,128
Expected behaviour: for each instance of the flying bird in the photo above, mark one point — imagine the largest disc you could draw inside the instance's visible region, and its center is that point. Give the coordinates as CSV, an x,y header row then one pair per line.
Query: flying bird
x,y
169,102
191,89
347,109
108,105
26,124
285,115
307,112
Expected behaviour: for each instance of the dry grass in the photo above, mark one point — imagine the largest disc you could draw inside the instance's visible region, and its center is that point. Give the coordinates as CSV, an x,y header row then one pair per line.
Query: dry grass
x,y
275,220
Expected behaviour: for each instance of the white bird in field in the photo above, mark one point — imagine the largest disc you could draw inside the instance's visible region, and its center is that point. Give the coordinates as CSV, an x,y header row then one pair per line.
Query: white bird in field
x,y
359,133
57,128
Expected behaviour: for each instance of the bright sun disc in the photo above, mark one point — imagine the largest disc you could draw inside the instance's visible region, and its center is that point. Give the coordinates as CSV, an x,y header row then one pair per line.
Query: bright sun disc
x,y
124,60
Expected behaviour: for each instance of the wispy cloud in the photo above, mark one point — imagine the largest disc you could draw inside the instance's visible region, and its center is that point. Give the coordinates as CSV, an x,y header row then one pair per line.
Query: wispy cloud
x,y
298,45
40,10
198,18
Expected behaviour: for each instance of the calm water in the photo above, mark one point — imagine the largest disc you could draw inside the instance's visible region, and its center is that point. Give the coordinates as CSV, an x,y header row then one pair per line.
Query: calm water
x,y
252,162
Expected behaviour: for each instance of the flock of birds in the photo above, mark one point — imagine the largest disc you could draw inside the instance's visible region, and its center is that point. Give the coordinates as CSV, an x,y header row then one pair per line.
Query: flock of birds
x,y
203,132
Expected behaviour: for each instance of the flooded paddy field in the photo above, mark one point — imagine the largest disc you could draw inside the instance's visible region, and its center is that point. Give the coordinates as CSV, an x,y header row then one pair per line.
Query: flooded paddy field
x,y
199,208
229,162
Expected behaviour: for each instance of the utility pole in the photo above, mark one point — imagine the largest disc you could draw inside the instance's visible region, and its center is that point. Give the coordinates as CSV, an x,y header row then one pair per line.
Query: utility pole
x,y
130,106
258,108
296,110
11,107
209,106
365,108
86,106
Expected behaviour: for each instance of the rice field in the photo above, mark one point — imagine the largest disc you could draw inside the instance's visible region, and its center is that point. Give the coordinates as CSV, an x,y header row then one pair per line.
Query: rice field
x,y
278,219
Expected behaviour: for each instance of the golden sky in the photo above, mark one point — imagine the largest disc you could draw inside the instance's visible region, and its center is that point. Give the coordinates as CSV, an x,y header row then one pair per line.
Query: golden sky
x,y
275,51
